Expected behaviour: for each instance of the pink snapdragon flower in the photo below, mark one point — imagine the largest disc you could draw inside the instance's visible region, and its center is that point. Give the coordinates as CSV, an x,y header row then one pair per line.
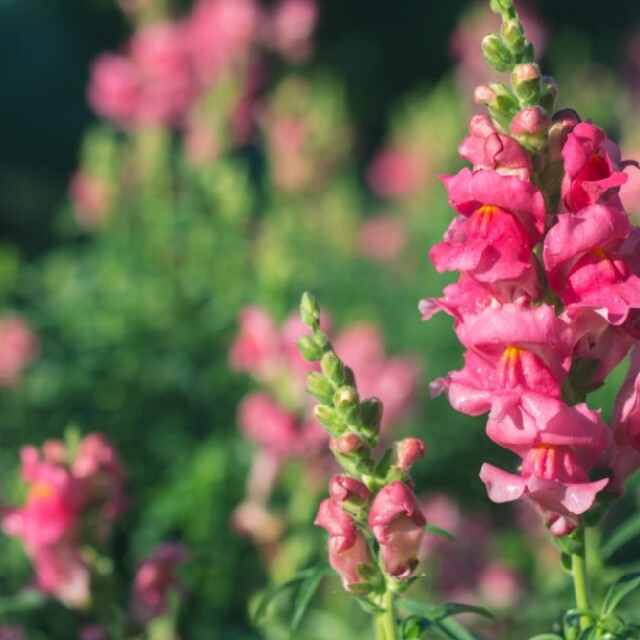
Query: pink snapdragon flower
x,y
18,347
347,545
502,217
485,148
592,166
398,525
554,478
512,349
156,577
585,264
8,632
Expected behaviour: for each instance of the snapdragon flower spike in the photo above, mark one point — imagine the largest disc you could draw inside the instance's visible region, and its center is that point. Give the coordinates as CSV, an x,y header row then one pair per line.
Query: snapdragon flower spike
x,y
398,526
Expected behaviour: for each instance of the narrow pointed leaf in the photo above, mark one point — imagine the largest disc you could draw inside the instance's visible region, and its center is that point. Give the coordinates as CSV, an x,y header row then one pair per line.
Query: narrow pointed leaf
x,y
307,591
619,590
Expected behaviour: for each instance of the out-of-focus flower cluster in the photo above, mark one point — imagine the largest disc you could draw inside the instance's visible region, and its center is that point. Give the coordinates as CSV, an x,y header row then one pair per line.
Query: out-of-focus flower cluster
x,y
166,67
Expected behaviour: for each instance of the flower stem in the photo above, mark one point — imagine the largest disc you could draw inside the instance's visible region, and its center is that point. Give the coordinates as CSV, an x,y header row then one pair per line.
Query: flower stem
x,y
581,579
385,620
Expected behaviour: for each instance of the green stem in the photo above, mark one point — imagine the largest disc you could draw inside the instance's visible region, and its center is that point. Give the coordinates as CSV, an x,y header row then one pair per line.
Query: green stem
x,y
385,620
581,579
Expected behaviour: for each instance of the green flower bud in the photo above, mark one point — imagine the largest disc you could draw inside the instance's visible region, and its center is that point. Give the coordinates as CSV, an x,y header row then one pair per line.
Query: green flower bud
x,y
496,53
319,387
548,93
333,368
500,6
371,414
513,35
329,419
309,310
347,403
525,79
309,348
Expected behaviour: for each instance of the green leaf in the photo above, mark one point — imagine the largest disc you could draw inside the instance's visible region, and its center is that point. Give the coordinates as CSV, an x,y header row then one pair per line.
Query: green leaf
x,y
619,590
413,626
437,531
25,600
440,616
272,593
626,532
546,636
307,590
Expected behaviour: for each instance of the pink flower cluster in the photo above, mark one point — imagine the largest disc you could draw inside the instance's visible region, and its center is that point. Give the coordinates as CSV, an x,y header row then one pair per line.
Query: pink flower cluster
x,y
273,418
546,306
167,66
394,518
52,524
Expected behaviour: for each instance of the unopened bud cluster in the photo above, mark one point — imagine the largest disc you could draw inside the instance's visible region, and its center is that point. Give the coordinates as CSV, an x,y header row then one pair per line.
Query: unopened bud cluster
x,y
524,108
374,522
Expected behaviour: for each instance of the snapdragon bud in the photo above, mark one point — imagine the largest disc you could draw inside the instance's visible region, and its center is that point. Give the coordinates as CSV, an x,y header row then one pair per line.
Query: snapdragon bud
x,y
371,414
346,402
500,6
564,122
513,35
548,93
525,79
496,53
407,452
309,348
309,310
342,488
348,443
531,127
329,419
333,368
319,387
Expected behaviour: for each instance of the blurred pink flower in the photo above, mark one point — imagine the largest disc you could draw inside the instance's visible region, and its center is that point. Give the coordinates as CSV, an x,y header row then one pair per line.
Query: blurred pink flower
x,y
101,475
52,505
151,84
382,238
220,34
18,346
266,423
90,198
61,571
290,26
397,172
155,578
394,380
